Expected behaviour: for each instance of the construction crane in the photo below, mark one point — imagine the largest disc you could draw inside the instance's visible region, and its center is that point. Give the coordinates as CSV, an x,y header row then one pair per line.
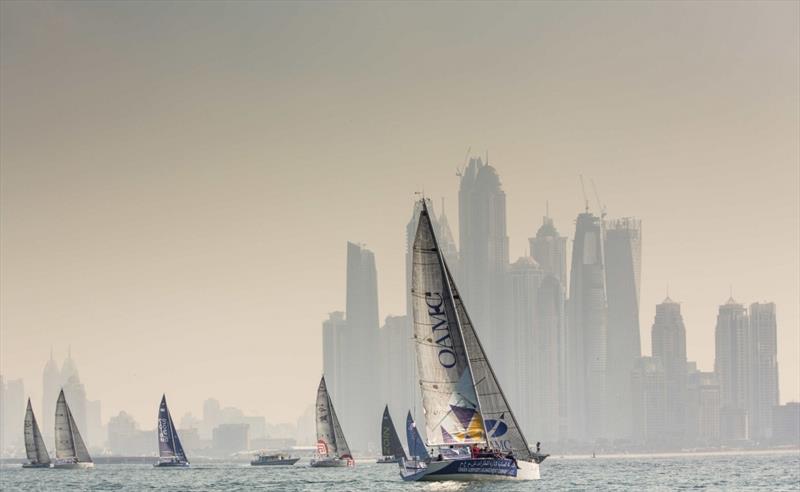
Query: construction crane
x,y
600,205
583,190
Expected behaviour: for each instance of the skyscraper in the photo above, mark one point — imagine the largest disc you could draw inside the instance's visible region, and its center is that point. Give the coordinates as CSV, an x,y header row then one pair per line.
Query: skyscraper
x,y
764,369
483,248
648,397
669,345
732,365
51,385
587,332
12,413
702,408
623,258
549,249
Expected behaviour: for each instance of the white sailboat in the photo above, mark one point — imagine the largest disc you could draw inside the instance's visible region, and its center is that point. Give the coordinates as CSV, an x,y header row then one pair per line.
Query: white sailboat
x,y
332,448
466,413
34,444
71,452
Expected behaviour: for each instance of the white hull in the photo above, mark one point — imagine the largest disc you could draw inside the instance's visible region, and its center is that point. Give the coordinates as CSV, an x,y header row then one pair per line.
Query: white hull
x,y
74,466
469,470
329,463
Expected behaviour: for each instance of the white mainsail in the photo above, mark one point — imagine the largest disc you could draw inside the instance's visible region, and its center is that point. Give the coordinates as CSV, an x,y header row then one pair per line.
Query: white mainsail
x,y
330,438
34,444
451,405
69,444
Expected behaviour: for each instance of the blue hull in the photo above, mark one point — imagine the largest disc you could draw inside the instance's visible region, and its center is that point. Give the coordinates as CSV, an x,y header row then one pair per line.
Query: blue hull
x,y
171,465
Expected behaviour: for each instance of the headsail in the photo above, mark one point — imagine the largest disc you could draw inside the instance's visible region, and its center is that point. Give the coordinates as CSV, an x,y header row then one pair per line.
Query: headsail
x,y
390,441
416,446
34,444
343,450
69,443
169,444
452,409
501,425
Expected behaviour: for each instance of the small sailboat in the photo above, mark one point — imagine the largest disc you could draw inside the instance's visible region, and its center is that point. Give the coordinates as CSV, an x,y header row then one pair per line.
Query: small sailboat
x,y
467,416
391,447
170,450
332,448
34,444
71,452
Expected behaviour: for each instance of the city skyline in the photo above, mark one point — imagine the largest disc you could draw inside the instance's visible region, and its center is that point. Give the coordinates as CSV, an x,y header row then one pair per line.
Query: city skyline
x,y
139,213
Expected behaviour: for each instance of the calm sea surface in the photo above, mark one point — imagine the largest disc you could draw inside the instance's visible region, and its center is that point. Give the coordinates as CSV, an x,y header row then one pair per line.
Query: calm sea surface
x,y
772,472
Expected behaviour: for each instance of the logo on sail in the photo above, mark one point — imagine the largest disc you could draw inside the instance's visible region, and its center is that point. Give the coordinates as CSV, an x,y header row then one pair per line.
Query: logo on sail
x,y
440,329
322,447
162,430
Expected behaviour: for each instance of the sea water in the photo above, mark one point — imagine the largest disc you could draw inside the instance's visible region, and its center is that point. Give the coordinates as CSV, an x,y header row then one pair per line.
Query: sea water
x,y
745,471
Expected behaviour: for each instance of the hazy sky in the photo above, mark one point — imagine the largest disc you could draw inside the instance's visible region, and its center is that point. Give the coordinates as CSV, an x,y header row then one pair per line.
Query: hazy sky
x,y
179,180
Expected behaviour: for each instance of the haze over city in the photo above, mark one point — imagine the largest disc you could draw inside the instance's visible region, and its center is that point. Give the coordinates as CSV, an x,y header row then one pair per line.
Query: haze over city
x,y
178,186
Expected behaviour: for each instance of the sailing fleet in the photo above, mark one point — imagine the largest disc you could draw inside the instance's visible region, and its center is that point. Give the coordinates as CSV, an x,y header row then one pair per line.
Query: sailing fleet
x,y
471,430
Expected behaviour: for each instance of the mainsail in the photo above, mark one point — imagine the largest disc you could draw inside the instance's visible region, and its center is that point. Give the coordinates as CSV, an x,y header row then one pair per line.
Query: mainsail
x,y
438,307
390,441
330,438
34,444
416,446
69,444
169,444
452,409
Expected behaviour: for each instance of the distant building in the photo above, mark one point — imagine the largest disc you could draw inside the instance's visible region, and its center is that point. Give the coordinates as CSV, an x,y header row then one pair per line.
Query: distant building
x,y
397,358
483,250
623,260
648,391
669,345
12,414
702,407
228,439
764,369
587,330
786,423
126,439
549,249
51,385
732,366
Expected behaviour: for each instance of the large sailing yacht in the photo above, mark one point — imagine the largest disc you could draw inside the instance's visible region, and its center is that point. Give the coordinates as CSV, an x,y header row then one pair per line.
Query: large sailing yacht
x,y
71,452
170,450
34,444
467,416
332,448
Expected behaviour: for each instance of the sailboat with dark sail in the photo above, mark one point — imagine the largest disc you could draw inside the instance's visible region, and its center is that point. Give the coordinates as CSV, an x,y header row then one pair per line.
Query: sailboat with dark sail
x,y
467,416
391,448
332,448
71,452
34,444
416,446
170,450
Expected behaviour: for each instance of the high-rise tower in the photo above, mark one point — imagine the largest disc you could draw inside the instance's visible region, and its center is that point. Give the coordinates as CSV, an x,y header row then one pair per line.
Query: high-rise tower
x,y
764,369
669,345
732,365
51,385
623,258
587,331
483,246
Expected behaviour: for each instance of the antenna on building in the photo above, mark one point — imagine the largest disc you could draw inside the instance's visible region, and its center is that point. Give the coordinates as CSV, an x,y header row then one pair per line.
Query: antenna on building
x,y
460,172
487,157
583,190
599,203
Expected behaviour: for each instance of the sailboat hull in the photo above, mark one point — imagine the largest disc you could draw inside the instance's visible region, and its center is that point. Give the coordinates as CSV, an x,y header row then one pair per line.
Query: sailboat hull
x,y
467,470
73,466
385,460
36,465
330,463
171,465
